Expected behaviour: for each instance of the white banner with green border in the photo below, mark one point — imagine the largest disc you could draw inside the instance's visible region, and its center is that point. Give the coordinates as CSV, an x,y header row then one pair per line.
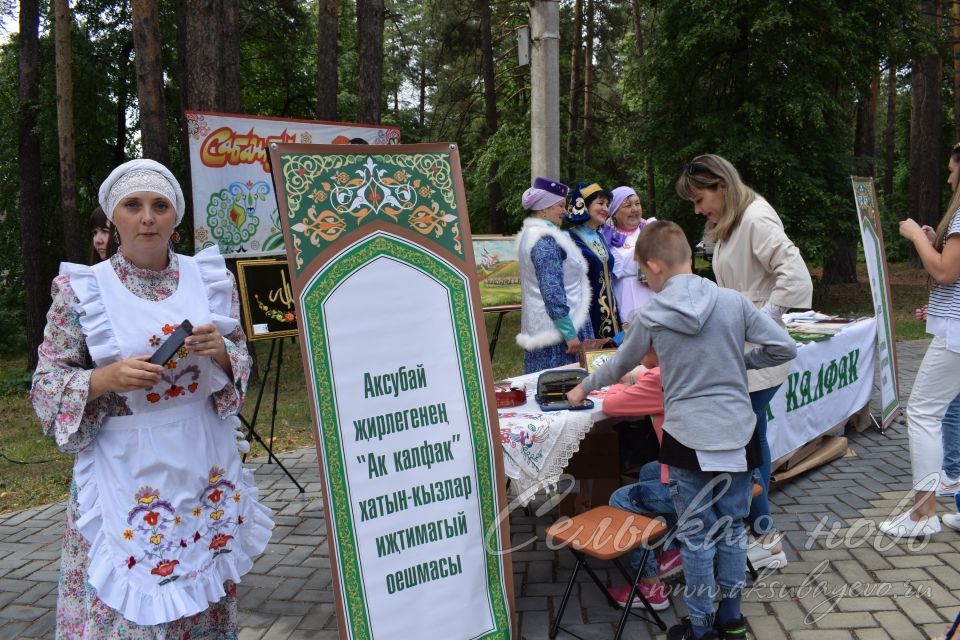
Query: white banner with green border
x,y
395,357
875,256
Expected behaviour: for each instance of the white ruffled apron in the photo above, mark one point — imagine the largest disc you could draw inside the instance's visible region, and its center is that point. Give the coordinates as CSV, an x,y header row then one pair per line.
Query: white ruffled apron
x,y
167,508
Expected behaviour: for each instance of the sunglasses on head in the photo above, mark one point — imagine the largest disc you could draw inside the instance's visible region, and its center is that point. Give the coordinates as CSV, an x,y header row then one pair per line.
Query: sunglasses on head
x,y
698,168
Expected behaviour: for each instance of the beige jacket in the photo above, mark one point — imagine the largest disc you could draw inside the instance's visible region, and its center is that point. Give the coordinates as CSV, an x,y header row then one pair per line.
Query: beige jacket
x,y
760,261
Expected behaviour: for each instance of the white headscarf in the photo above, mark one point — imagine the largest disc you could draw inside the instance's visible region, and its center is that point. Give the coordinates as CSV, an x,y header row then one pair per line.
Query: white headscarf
x,y
140,175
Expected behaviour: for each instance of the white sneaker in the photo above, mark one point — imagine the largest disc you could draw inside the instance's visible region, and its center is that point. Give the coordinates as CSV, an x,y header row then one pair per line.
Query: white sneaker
x,y
952,520
761,555
903,526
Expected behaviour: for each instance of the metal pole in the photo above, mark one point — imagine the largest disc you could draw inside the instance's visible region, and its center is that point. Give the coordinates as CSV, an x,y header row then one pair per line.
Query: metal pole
x,y
545,88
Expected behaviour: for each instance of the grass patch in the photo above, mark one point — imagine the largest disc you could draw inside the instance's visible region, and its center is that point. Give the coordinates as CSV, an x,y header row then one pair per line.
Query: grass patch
x,y
21,440
23,486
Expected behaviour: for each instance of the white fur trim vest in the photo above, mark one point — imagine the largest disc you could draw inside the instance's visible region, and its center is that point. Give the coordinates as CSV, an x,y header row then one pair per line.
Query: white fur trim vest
x,y
536,328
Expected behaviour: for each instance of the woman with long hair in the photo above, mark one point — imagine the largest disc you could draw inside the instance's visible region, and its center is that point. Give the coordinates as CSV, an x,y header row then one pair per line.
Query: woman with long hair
x,y
754,256
938,379
103,242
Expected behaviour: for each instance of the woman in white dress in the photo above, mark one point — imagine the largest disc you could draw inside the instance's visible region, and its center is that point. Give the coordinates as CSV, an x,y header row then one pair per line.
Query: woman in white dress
x,y
162,519
621,231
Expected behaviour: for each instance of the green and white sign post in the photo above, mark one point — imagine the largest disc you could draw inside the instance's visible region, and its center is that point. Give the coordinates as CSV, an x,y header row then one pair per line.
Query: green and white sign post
x,y
868,214
394,351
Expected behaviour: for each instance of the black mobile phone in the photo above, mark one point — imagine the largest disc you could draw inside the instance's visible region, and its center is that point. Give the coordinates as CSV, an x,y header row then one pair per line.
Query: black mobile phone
x,y
902,216
172,344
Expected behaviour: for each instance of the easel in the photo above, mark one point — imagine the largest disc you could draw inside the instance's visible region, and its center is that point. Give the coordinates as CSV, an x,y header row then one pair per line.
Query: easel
x,y
500,310
251,431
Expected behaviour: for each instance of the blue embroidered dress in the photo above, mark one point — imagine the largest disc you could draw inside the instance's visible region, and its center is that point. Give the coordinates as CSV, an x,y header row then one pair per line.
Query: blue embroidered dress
x,y
600,262
547,257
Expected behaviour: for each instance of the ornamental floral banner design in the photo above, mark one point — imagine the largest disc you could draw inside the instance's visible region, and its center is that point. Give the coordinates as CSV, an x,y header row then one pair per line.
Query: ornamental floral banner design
x,y
330,195
233,200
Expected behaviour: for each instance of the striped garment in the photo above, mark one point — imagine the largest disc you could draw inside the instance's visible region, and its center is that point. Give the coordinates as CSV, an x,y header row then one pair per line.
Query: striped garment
x,y
945,298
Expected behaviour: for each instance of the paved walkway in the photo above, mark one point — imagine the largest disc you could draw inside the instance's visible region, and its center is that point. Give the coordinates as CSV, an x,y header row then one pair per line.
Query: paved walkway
x,y
865,589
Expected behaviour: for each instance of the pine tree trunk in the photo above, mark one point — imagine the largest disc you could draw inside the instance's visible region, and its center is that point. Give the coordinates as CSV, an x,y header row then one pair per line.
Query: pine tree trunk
x,y
889,135
123,99
926,120
327,78
650,206
153,113
588,92
200,52
864,144
576,55
200,46
230,59
422,104
840,266
498,223
31,213
370,17
72,242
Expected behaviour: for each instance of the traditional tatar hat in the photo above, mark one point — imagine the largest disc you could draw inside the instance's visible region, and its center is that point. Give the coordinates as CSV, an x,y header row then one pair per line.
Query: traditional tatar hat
x,y
140,175
577,211
544,193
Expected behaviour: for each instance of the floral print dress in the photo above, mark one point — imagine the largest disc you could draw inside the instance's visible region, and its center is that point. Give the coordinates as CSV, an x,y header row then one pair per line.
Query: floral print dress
x,y
60,398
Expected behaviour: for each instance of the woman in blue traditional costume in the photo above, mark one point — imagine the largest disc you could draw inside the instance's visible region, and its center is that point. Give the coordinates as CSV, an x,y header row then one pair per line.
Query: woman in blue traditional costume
x,y
588,211
554,289
162,519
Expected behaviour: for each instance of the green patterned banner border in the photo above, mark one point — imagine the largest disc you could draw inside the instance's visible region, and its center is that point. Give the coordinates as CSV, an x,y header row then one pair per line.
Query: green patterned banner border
x,y
314,294
329,195
865,196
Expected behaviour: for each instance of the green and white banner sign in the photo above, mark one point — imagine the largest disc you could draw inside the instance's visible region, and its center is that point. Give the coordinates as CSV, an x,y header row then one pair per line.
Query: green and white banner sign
x,y
394,351
871,232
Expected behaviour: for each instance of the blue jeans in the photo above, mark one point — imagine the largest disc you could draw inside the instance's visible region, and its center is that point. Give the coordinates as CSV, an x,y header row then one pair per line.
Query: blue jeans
x,y
649,497
760,506
711,508
950,428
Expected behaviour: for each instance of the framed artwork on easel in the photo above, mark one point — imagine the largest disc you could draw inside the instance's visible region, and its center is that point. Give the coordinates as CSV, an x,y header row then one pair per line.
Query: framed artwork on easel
x,y
265,299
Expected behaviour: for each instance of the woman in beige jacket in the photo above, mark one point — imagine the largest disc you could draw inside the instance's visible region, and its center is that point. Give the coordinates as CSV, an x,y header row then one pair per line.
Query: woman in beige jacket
x,y
754,256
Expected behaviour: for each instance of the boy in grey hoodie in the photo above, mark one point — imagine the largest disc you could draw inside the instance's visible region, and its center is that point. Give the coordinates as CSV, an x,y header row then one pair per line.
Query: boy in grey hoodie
x,y
709,440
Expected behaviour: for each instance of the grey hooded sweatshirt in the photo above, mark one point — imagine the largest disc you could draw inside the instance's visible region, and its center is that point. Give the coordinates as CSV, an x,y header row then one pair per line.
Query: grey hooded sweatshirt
x,y
698,331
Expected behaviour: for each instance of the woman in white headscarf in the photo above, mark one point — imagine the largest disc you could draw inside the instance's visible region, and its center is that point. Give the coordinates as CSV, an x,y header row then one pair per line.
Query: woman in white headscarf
x,y
162,519
554,289
621,232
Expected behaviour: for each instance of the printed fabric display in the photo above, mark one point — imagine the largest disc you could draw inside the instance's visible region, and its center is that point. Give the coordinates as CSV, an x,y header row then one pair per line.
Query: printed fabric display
x,y
163,499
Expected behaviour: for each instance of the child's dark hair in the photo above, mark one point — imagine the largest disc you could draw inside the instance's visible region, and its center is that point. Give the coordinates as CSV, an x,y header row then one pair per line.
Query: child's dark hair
x,y
664,241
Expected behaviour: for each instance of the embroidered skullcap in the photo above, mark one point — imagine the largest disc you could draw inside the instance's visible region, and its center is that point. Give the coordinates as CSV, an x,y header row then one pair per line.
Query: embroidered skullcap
x,y
618,195
577,211
543,194
140,175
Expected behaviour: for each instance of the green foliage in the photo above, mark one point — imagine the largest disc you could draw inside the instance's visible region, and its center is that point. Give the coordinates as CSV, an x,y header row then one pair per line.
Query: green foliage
x,y
769,86
278,63
509,150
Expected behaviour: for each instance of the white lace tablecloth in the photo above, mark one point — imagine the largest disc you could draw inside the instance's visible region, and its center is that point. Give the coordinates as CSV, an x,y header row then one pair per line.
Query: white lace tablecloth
x,y
537,445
